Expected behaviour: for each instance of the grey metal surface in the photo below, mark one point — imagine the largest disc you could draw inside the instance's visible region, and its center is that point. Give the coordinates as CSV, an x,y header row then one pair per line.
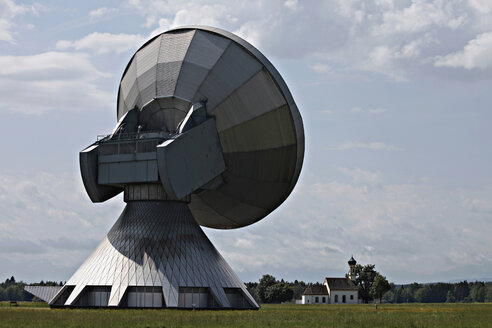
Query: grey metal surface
x,y
89,170
155,244
260,128
46,293
188,162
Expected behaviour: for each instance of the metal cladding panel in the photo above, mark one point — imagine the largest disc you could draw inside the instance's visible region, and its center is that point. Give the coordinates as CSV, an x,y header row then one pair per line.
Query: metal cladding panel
x,y
148,110
89,170
167,116
171,55
128,80
183,172
232,70
206,48
274,165
46,293
146,66
202,55
122,108
174,45
133,96
271,130
147,86
256,193
146,57
257,96
182,105
190,79
201,209
231,208
167,77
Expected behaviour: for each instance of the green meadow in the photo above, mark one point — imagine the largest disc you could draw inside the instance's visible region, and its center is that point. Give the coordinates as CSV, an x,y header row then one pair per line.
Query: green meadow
x,y
286,315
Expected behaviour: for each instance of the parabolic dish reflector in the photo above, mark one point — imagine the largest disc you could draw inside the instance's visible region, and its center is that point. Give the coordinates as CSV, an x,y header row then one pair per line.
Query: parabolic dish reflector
x,y
258,123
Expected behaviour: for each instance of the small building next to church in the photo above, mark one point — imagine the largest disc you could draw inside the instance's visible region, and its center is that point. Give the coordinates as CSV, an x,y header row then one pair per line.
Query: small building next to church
x,y
333,290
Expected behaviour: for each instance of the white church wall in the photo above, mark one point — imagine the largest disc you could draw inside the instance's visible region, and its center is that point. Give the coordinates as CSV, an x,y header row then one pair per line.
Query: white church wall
x,y
311,299
337,297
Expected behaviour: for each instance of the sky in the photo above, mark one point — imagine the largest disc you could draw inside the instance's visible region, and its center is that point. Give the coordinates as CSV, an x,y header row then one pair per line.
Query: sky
x,y
396,102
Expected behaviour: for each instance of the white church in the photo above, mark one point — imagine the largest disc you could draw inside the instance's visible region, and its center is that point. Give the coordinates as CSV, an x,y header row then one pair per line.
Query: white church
x,y
333,290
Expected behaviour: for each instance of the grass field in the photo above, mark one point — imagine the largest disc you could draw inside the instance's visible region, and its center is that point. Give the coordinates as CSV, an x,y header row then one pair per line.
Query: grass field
x,y
387,315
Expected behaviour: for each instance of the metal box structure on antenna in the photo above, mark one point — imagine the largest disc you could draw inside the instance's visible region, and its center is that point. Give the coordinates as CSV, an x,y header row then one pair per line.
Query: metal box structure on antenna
x,y
207,134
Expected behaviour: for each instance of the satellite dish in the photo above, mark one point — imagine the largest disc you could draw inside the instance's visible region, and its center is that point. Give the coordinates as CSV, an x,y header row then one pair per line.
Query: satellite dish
x,y
258,123
207,133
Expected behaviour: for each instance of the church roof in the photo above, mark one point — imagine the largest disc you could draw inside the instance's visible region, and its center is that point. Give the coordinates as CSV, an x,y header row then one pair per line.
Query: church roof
x,y
352,261
340,284
315,290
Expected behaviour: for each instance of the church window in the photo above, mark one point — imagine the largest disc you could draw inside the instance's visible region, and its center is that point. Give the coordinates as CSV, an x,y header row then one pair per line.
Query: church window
x,y
324,299
336,298
351,297
316,299
344,299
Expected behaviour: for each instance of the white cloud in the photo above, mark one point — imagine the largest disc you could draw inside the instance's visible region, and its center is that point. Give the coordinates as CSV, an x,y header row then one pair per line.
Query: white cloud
x,y
292,4
483,6
100,12
386,37
390,38
475,55
420,16
8,11
102,43
362,176
52,80
369,110
367,145
48,222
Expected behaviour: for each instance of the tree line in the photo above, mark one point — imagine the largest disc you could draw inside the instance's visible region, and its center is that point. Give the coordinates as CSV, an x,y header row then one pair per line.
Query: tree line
x,y
11,290
372,286
440,292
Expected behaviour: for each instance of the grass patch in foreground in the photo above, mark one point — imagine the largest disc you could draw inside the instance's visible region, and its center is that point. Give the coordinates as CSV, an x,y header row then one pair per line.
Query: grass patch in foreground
x,y
24,304
289,315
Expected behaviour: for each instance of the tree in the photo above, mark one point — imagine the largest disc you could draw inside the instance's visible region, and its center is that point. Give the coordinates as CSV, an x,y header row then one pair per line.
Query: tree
x,y
379,287
272,293
488,292
365,278
251,287
389,297
298,287
278,293
422,295
265,282
461,291
450,297
477,292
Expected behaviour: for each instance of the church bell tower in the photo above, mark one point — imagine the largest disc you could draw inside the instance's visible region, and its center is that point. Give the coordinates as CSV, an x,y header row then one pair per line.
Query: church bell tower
x,y
351,274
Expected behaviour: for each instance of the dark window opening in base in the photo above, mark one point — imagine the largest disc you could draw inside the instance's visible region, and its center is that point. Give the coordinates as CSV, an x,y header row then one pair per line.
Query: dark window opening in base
x,y
143,297
236,298
94,296
196,297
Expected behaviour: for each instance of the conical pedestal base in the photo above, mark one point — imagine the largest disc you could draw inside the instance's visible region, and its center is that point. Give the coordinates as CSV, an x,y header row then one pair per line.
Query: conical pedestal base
x,y
155,256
